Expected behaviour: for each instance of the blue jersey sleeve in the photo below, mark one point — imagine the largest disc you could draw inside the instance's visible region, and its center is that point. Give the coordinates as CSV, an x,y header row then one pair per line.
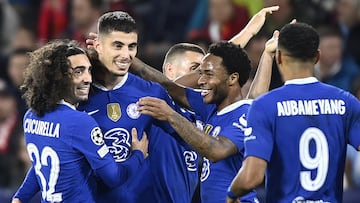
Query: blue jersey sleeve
x,y
235,132
28,188
354,122
162,94
89,140
91,143
114,174
197,103
259,141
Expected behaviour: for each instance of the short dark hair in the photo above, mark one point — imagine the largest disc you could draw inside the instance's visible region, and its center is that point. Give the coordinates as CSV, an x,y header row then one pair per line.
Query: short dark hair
x,y
181,48
234,58
116,21
300,40
47,79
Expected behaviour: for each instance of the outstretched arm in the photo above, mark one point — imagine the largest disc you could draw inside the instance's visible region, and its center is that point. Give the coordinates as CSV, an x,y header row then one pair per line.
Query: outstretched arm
x,y
261,82
214,148
176,91
262,78
253,26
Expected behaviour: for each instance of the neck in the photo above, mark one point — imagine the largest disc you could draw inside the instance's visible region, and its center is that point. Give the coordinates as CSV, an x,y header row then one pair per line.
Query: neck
x,y
297,70
111,80
233,96
107,79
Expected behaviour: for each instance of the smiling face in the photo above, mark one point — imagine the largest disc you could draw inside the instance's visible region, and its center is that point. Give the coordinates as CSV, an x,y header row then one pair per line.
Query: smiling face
x,y
116,51
213,80
80,78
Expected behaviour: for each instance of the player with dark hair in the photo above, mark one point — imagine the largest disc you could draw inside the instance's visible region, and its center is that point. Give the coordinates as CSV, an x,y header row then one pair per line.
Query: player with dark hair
x,y
66,146
220,105
297,134
112,103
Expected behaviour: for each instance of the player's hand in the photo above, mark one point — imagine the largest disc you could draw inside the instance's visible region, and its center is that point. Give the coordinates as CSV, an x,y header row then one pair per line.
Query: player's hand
x,y
272,43
142,145
258,20
16,200
90,41
155,107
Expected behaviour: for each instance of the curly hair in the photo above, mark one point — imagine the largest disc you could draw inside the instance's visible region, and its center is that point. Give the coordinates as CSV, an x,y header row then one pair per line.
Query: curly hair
x,y
47,78
234,58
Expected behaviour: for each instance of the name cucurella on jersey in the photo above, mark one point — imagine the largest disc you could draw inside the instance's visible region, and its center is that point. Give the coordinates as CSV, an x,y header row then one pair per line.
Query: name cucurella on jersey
x,y
311,107
43,128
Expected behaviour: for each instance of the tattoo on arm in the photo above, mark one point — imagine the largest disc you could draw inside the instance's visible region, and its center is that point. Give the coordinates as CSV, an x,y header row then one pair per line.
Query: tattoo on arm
x,y
213,148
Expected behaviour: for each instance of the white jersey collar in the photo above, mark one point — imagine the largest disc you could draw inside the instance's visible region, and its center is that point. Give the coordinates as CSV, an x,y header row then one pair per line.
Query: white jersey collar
x,y
234,106
120,84
301,81
63,102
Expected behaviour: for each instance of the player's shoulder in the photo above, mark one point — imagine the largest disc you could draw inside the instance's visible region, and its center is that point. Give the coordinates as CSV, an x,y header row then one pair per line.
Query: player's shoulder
x,y
331,91
239,107
135,80
79,118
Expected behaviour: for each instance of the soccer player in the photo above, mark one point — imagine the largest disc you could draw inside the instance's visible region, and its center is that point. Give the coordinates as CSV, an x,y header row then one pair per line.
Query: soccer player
x,y
112,103
297,134
220,105
66,146
173,163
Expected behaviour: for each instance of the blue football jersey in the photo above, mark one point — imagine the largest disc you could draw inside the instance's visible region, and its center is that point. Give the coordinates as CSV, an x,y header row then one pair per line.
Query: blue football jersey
x,y
116,113
230,122
170,173
302,129
65,147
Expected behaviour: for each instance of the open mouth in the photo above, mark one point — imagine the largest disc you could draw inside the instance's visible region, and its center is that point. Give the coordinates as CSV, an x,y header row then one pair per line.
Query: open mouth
x,y
83,90
122,65
205,92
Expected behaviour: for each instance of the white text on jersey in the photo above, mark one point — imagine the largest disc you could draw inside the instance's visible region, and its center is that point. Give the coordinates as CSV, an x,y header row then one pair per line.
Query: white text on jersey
x,y
43,128
310,107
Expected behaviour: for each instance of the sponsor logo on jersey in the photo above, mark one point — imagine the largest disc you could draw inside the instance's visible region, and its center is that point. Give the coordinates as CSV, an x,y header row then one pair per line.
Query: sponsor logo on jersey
x,y
114,111
303,200
118,142
132,111
92,112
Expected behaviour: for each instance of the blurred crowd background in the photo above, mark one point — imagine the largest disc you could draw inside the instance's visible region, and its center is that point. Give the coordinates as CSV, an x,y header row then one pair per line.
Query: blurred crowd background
x,y
28,24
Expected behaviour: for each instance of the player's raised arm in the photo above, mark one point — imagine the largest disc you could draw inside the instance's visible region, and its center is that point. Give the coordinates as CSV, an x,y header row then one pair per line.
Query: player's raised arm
x,y
176,91
253,26
262,78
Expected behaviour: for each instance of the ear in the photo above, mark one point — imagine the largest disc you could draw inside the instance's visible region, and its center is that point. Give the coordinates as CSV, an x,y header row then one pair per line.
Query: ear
x,y
234,78
97,45
169,71
317,57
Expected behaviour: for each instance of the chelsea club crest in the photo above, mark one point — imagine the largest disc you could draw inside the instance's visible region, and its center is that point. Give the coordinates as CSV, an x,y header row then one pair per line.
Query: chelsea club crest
x,y
132,111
